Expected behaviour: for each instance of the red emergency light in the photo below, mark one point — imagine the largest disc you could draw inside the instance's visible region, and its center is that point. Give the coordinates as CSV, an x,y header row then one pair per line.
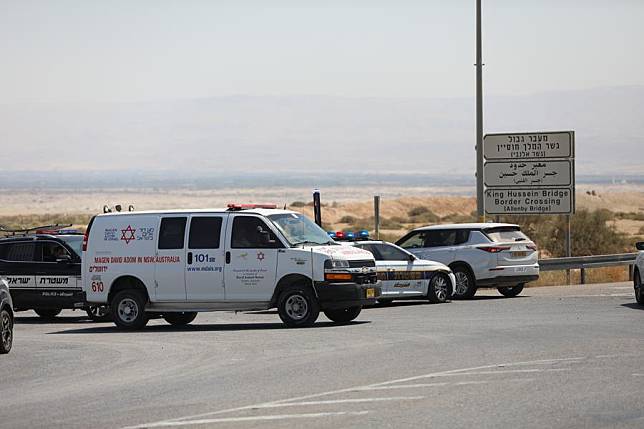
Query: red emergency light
x,y
233,206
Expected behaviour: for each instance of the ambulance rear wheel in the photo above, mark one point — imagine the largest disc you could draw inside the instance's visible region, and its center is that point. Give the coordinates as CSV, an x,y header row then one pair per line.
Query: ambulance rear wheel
x,y
47,313
180,319
128,310
298,307
343,315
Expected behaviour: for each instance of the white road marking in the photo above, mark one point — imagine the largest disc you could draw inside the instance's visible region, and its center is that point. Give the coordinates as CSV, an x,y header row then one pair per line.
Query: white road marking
x,y
443,384
253,419
504,371
352,389
638,375
341,401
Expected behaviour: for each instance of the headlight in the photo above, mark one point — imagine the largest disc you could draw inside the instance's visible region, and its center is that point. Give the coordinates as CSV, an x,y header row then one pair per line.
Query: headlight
x,y
335,264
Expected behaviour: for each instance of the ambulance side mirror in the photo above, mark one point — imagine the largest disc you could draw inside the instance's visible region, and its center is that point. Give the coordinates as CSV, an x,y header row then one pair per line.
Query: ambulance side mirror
x,y
264,236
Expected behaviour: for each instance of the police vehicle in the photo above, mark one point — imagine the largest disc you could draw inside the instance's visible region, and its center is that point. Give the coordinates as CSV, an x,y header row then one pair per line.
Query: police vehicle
x,y
402,274
175,263
638,273
496,255
42,267
6,318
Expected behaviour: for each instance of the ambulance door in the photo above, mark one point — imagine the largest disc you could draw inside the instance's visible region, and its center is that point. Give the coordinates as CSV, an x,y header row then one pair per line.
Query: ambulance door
x,y
170,264
205,257
251,259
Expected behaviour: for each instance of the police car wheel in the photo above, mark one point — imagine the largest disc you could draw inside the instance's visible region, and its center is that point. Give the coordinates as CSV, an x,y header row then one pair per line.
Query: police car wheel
x,y
99,313
298,307
179,319
511,291
343,315
465,282
128,310
47,313
440,289
637,280
6,331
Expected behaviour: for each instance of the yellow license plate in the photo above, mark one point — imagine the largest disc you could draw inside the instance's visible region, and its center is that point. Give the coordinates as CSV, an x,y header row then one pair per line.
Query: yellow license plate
x,y
371,293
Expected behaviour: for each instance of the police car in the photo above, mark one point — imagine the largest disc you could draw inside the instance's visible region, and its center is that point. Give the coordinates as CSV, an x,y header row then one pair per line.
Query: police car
x,y
176,263
496,255
6,318
402,274
42,268
638,273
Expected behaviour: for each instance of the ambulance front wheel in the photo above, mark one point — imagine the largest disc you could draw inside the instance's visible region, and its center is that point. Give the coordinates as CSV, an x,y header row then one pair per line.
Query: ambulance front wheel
x,y
128,310
298,307
343,315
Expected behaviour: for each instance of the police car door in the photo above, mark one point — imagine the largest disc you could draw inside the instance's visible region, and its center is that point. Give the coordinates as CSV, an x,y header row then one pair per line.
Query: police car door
x,y
402,277
251,259
58,268
170,266
16,266
205,257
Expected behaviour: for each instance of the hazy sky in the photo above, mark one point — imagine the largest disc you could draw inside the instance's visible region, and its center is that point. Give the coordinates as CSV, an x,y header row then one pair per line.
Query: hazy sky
x,y
65,50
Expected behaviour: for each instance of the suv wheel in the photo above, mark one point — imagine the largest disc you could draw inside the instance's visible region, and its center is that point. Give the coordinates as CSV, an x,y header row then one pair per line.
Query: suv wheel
x,y
298,307
465,282
439,289
47,313
6,331
343,315
511,291
99,313
180,319
637,280
128,310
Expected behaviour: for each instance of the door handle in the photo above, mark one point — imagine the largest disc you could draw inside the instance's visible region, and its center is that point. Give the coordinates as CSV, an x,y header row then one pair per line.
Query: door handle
x,y
228,257
189,258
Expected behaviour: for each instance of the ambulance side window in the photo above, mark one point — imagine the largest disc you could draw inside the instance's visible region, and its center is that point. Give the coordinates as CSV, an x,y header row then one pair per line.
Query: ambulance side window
x,y
205,233
247,234
172,233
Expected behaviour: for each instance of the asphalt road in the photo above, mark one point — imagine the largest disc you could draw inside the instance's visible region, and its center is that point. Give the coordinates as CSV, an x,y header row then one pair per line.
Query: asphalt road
x,y
553,357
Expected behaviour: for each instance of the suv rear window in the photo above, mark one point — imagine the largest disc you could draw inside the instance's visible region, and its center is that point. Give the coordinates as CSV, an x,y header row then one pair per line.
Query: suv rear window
x,y
505,233
435,238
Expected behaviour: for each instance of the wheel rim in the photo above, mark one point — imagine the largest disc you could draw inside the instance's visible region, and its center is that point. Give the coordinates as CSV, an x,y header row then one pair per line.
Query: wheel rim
x,y
98,311
296,307
128,310
7,331
440,287
462,283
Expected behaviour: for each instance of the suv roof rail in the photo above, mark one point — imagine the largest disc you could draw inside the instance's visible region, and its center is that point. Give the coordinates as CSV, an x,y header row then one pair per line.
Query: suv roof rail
x,y
51,229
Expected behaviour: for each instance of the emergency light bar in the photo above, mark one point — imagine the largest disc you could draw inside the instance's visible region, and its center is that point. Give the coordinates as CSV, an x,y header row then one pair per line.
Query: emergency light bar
x,y
44,229
349,236
236,207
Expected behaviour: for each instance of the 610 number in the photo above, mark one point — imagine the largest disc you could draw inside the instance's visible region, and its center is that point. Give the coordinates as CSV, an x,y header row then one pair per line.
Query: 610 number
x,y
97,287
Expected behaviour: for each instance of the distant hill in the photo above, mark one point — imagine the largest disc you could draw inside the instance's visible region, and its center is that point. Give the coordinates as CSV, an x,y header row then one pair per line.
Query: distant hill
x,y
314,133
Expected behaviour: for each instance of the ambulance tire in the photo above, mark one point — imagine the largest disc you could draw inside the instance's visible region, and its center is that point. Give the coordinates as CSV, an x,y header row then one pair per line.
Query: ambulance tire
x,y
47,313
180,319
298,307
343,315
128,310
99,313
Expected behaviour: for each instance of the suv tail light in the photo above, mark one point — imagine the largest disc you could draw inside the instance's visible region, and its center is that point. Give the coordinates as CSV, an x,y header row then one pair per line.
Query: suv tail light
x,y
493,249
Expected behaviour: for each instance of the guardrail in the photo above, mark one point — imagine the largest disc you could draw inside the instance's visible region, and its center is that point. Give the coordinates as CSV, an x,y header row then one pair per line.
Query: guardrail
x,y
585,262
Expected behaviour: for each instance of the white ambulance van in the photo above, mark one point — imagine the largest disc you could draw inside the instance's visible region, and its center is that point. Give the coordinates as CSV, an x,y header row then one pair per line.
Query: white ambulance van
x,y
176,263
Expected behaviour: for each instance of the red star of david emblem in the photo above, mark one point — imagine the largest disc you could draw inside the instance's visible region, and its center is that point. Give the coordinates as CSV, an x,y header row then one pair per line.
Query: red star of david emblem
x,y
260,256
127,234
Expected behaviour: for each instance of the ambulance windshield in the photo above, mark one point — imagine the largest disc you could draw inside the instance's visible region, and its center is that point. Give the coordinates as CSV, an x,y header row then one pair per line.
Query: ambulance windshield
x,y
300,230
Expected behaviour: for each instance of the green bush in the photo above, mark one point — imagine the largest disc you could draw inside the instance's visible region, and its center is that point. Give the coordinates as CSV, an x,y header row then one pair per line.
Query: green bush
x,y
348,219
298,204
416,211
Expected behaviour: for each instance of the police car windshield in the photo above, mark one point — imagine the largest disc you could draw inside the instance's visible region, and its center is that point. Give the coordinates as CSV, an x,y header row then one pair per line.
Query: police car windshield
x,y
75,242
298,229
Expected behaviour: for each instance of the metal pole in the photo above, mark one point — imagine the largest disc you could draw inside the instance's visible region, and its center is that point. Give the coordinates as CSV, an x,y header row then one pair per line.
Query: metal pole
x,y
376,215
569,248
317,207
480,204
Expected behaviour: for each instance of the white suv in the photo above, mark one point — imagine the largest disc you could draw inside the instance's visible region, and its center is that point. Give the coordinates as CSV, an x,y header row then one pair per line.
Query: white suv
x,y
494,255
638,272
